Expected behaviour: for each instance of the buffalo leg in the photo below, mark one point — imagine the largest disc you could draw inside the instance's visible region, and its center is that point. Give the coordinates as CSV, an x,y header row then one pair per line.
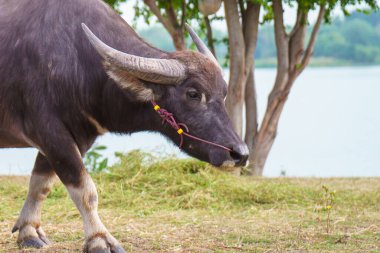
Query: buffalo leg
x,y
66,159
85,197
29,221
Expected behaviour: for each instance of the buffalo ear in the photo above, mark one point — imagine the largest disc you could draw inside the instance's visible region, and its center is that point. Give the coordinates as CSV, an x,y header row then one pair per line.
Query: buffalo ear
x,y
141,91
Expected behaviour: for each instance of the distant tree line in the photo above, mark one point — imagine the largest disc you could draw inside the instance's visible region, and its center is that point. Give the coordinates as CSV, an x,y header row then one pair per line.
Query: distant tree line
x,y
354,39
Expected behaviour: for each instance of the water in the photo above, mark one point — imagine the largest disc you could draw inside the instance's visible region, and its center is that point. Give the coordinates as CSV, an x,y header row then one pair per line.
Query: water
x,y
329,127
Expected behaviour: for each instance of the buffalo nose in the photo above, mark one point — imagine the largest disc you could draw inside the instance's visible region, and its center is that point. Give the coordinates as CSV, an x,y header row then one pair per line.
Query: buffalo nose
x,y
240,154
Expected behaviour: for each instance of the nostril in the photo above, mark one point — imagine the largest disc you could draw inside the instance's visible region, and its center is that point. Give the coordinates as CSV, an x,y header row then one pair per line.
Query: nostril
x,y
235,156
240,157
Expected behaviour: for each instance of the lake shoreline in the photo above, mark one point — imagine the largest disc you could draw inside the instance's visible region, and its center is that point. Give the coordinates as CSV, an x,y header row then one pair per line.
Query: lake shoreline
x,y
315,63
329,127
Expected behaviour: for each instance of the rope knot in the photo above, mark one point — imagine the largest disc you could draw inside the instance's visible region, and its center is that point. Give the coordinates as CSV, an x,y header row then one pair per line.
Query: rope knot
x,y
168,117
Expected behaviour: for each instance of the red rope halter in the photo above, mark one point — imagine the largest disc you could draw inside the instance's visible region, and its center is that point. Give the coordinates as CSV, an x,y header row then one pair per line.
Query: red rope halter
x,y
168,117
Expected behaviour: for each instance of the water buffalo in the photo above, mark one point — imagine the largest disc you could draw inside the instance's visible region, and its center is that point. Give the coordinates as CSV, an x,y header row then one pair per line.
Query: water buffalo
x,y
62,85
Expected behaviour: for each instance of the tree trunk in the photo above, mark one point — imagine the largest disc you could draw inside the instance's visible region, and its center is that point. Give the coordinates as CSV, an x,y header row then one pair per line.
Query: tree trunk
x,y
266,136
236,87
178,40
250,28
291,61
259,155
251,124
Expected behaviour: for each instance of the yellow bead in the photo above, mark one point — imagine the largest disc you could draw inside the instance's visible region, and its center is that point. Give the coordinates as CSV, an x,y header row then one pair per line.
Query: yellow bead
x,y
180,131
156,107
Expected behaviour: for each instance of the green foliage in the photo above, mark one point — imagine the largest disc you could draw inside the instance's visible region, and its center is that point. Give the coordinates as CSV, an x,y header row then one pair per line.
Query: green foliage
x,y
94,161
354,39
115,3
191,10
192,16
344,45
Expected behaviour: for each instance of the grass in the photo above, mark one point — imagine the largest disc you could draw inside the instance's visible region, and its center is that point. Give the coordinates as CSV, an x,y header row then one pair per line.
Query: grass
x,y
175,205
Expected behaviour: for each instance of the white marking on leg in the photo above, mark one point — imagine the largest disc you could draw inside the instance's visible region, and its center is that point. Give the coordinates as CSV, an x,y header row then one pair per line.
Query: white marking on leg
x,y
30,216
85,198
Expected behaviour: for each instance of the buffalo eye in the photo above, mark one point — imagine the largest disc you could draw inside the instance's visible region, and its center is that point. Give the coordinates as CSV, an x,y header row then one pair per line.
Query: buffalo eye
x,y
193,94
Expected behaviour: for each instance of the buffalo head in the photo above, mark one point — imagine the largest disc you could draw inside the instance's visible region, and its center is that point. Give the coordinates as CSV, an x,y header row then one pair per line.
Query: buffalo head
x,y
188,84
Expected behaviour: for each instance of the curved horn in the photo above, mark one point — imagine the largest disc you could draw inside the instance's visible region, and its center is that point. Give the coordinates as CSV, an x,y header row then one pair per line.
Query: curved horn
x,y
201,45
163,71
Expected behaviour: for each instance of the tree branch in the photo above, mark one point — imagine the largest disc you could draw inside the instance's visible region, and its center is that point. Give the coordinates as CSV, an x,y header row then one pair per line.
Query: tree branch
x,y
279,18
169,22
313,37
250,31
242,10
156,11
210,40
282,76
171,15
297,23
297,40
183,17
281,38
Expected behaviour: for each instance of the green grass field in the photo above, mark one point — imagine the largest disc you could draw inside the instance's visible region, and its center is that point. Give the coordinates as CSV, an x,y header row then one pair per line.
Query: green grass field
x,y
175,205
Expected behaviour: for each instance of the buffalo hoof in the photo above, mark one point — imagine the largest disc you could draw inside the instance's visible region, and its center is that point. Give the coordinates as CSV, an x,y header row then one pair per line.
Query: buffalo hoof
x,y
32,242
117,249
31,237
102,245
114,250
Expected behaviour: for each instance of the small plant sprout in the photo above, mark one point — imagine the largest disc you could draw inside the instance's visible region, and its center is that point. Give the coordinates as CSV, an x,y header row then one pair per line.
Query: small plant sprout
x,y
94,160
328,202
